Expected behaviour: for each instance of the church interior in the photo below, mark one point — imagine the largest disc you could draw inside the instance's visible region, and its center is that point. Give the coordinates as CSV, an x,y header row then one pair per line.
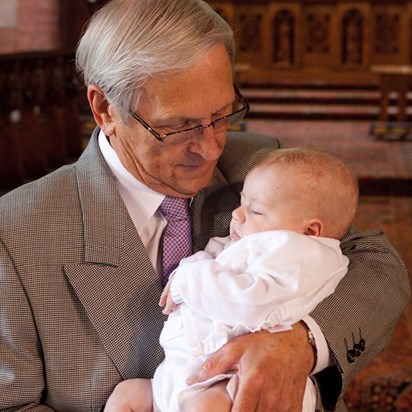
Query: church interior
x,y
330,73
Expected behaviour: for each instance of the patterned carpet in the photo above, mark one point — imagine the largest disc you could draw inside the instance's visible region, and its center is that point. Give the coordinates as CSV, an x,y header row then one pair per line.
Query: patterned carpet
x,y
385,385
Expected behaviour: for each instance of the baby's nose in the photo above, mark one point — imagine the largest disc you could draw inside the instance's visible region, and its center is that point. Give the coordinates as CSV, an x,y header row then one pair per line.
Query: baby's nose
x,y
238,214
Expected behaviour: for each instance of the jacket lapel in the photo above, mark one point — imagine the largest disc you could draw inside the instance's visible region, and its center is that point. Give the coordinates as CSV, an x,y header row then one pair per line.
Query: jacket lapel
x,y
115,259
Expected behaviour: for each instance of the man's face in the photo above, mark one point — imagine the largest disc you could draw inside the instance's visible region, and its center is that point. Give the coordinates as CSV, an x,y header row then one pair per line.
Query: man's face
x,y
170,103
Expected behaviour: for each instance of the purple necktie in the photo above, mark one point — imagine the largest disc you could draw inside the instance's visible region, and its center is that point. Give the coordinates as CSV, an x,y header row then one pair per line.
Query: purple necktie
x,y
177,237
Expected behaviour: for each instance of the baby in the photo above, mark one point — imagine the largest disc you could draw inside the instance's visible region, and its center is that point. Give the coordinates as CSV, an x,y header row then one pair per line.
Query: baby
x,y
281,259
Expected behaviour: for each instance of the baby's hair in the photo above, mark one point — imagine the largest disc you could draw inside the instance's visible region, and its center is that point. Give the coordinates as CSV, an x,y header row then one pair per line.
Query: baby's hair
x,y
334,187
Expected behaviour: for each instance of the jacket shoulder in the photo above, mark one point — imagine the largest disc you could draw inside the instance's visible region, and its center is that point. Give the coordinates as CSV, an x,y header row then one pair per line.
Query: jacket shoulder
x,y
241,152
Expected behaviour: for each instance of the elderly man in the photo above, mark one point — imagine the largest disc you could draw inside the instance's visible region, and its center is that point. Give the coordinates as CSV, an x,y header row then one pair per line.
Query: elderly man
x,y
81,249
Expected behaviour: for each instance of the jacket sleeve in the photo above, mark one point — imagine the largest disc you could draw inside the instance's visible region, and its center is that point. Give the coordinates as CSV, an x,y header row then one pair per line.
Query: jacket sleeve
x,y
21,367
363,311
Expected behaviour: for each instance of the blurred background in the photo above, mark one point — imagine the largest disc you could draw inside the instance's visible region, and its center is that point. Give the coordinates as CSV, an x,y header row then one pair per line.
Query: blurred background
x,y
330,73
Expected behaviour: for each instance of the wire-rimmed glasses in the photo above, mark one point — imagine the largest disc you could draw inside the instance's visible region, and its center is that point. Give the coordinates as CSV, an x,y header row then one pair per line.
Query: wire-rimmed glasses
x,y
221,124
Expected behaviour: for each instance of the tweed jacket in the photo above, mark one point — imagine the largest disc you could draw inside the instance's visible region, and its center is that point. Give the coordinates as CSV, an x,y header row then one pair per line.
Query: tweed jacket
x,y
78,294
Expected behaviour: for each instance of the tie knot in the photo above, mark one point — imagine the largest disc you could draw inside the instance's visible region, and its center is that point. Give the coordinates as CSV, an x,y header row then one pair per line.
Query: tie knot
x,y
175,208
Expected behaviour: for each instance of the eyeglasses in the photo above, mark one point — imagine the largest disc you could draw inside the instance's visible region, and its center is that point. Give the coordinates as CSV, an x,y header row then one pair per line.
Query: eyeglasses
x,y
187,135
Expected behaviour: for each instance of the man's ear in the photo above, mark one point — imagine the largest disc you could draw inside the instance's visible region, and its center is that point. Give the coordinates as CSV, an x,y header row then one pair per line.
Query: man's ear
x,y
314,227
101,109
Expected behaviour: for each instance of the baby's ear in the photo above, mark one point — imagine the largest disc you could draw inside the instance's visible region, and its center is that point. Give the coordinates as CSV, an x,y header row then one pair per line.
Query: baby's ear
x,y
314,227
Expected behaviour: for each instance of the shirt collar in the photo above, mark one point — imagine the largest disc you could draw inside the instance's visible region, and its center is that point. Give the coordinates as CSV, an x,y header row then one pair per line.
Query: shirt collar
x,y
140,200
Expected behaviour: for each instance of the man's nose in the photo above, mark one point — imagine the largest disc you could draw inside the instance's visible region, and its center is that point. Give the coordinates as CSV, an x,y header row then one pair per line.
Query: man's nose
x,y
209,144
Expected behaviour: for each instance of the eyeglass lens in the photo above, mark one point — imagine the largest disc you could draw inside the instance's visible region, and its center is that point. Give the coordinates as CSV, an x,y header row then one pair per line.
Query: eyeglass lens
x,y
219,125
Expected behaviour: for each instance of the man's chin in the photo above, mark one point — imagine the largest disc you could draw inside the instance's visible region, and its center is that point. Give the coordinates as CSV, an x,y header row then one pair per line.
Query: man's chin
x,y
193,190
195,185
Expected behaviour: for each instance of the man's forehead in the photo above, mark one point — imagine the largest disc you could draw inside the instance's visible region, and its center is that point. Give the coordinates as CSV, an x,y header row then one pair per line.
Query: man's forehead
x,y
184,101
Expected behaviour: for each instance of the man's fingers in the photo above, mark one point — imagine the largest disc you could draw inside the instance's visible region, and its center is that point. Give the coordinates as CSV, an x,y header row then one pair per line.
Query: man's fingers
x,y
222,361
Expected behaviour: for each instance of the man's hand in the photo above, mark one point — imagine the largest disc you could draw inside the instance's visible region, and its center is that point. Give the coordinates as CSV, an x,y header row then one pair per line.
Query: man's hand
x,y
272,369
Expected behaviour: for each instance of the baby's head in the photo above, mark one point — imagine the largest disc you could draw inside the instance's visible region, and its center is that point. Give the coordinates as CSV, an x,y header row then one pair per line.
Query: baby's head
x,y
303,189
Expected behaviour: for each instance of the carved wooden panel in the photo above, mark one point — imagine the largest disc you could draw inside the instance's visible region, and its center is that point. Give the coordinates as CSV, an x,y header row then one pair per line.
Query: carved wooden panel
x,y
284,38
283,19
353,34
388,40
387,32
250,32
329,36
317,30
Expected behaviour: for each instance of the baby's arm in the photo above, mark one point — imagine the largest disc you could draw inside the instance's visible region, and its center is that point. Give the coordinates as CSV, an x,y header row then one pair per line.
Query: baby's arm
x,y
274,276
213,248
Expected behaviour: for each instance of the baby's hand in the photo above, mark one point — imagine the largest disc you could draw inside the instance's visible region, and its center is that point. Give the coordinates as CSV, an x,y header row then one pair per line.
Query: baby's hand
x,y
133,395
166,298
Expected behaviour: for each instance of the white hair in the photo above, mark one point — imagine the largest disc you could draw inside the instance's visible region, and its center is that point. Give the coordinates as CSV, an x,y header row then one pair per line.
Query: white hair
x,y
128,41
